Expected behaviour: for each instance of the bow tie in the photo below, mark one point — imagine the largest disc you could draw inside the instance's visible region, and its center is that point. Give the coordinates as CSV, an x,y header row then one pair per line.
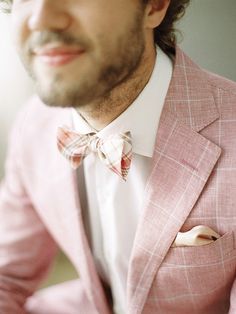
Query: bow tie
x,y
114,151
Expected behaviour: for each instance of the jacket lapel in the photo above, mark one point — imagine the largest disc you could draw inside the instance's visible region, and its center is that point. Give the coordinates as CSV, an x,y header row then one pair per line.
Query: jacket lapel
x,y
182,163
59,203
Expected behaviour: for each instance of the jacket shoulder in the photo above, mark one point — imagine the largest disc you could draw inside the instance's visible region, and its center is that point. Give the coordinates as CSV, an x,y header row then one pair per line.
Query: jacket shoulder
x,y
36,122
35,116
220,82
224,93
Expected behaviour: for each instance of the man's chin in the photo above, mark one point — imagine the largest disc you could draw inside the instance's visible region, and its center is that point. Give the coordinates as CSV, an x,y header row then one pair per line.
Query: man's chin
x,y
63,100
52,100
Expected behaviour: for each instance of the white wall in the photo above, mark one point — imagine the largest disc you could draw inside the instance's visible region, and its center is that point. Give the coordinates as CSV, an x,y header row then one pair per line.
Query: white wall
x,y
209,38
15,86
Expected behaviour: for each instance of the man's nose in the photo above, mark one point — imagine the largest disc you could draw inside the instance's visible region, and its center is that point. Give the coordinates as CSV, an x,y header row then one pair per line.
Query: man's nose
x,y
49,15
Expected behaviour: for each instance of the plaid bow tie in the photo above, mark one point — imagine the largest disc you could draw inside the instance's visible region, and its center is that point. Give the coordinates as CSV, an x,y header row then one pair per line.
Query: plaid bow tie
x,y
115,151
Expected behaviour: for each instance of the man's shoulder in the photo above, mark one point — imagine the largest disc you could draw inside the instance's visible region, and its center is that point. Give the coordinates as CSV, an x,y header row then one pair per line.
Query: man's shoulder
x,y
36,110
221,83
204,84
184,62
224,93
35,119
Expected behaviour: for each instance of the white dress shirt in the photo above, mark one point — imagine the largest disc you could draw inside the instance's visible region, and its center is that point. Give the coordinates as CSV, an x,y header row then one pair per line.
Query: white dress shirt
x,y
113,206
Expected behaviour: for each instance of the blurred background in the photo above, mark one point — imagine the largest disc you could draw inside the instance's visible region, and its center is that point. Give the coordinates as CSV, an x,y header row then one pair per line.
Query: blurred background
x,y
208,37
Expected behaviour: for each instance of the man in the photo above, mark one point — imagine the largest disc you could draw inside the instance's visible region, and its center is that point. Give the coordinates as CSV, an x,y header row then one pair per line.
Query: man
x,y
146,213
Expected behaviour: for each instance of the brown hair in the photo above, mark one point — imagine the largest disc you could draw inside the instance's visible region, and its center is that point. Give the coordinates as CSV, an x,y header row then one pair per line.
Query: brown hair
x,y
164,34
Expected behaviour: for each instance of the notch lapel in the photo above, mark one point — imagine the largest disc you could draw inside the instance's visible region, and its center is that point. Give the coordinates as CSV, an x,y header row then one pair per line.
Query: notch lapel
x,y
182,163
58,201
77,243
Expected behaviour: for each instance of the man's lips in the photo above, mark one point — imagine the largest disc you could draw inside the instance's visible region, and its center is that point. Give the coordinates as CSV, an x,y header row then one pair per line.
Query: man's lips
x,y
57,56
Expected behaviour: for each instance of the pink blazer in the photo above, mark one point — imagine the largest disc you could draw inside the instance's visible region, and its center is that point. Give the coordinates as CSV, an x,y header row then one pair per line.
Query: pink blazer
x,y
193,182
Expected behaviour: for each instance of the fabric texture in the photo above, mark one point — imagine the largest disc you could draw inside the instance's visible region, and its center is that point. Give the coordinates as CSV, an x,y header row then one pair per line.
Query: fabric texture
x,y
46,301
192,182
115,151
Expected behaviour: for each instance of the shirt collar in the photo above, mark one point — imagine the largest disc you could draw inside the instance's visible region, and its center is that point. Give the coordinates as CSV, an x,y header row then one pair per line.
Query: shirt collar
x,y
141,118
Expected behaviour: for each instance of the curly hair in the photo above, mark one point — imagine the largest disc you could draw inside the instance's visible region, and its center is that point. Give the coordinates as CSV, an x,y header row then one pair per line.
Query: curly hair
x,y
164,34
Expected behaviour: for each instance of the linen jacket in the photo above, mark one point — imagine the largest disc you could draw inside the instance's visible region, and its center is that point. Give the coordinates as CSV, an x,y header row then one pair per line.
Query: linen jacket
x,y
192,182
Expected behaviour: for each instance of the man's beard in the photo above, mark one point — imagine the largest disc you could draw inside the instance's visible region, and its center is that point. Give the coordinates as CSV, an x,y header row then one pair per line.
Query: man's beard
x,y
116,66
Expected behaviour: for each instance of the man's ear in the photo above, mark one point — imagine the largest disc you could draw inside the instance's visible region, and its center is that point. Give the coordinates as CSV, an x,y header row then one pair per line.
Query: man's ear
x,y
155,12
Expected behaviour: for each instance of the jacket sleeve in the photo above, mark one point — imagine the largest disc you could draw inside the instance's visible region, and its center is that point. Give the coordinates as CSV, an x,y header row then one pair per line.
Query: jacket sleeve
x,y
26,248
63,298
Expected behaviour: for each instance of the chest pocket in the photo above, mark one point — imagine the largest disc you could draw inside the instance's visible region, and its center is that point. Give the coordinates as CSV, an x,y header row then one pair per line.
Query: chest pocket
x,y
196,278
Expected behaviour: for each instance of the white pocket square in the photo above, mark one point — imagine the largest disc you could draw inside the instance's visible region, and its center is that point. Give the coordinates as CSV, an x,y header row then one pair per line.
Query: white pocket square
x,y
199,235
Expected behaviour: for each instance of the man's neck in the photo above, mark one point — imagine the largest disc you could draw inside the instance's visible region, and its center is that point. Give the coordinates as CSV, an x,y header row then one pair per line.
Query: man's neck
x,y
105,110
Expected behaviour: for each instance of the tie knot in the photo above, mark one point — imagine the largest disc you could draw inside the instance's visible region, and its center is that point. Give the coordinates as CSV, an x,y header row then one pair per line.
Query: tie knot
x,y
114,151
93,144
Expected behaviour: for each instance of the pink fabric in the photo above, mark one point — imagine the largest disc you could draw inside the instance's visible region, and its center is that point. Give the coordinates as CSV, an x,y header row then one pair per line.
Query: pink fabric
x,y
193,182
115,151
46,300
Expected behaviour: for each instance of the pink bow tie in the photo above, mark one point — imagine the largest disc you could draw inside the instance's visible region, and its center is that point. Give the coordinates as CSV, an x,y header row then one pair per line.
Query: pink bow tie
x,y
115,151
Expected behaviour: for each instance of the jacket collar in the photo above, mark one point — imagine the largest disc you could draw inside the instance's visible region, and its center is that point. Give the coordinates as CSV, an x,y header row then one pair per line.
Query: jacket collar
x,y
182,163
190,96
